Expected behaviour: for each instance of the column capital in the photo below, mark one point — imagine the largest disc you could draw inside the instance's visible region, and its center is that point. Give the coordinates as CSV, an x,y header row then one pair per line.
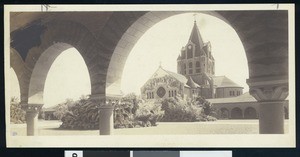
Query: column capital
x,y
104,102
31,107
269,88
270,93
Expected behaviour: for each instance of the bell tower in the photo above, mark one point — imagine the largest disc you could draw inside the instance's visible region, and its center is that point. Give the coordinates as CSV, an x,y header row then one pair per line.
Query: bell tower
x,y
195,59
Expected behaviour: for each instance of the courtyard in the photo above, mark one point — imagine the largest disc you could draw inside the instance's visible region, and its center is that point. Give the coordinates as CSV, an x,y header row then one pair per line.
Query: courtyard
x,y
51,128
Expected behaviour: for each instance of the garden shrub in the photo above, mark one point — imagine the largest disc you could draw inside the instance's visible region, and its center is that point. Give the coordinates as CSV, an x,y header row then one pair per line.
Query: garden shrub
x,y
17,114
148,114
177,110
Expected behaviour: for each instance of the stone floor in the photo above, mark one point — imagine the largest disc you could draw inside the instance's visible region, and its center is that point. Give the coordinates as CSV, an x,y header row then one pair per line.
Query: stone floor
x,y
50,128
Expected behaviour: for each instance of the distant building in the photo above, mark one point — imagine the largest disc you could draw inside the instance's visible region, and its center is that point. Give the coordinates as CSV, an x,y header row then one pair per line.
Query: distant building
x,y
195,75
241,107
48,113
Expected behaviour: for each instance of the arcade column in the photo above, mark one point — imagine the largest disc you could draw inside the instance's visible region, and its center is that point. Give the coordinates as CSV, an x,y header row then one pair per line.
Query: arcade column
x,y
106,109
270,94
32,111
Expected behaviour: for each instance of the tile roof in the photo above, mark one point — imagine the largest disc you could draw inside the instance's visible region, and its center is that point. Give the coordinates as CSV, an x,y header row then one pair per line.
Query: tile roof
x,y
246,97
223,81
179,77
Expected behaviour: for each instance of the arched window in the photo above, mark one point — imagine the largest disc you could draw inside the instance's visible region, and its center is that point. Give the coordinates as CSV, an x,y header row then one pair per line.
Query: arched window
x,y
250,113
175,93
236,113
184,69
198,68
190,68
169,93
172,94
190,65
190,51
183,54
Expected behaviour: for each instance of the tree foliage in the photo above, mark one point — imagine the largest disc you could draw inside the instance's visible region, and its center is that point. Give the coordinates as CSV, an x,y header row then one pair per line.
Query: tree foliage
x,y
17,114
208,109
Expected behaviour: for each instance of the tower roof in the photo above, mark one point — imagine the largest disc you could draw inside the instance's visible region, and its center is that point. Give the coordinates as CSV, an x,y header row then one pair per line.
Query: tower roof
x,y
195,36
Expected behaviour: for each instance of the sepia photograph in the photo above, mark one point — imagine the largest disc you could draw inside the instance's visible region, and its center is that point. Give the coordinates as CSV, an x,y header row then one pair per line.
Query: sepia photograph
x,y
150,75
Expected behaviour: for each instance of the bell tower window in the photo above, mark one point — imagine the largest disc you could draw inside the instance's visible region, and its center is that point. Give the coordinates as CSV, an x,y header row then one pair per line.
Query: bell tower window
x,y
190,68
189,51
198,68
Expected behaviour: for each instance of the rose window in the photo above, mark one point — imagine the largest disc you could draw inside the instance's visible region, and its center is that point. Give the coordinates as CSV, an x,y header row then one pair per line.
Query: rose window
x,y
161,92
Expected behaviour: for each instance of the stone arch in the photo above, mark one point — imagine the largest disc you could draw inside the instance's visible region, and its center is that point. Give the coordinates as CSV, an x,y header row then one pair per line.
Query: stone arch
x,y
250,113
236,113
224,114
16,63
22,72
133,34
59,36
40,72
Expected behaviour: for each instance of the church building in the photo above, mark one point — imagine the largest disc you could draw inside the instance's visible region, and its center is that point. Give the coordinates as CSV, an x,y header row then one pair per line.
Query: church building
x,y
195,75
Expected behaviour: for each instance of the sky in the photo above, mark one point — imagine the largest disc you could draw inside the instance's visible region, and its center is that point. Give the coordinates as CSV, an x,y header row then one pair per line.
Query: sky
x,y
162,44
68,76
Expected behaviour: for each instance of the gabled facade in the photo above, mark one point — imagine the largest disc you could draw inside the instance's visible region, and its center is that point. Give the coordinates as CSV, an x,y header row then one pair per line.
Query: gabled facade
x,y
164,84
